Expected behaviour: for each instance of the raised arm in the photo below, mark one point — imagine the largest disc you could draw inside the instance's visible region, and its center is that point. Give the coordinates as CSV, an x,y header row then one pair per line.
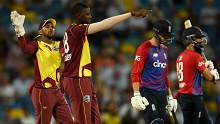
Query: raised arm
x,y
17,22
112,21
27,48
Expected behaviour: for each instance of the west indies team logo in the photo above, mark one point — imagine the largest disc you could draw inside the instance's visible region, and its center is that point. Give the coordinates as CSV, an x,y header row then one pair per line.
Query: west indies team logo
x,y
87,98
55,48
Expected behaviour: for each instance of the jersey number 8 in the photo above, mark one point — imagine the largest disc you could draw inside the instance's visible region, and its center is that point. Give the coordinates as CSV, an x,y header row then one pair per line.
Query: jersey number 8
x,y
179,67
66,45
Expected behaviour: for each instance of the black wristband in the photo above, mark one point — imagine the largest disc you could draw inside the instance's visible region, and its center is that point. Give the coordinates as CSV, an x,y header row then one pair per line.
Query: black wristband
x,y
213,79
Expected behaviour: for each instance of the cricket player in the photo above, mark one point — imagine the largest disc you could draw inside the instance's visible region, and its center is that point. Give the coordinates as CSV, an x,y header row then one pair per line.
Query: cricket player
x,y
190,65
47,98
76,76
150,76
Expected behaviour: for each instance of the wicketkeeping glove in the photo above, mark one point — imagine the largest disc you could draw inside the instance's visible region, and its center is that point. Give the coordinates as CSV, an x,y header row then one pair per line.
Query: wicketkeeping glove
x,y
209,64
138,102
18,21
215,74
171,104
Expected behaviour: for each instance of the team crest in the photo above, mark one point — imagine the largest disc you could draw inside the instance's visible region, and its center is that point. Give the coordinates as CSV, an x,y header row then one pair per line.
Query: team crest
x,y
155,55
87,98
55,48
169,29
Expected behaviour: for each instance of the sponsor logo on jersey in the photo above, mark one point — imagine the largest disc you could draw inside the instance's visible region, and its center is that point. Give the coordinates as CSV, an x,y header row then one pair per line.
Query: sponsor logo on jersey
x,y
67,57
55,48
155,55
138,58
87,98
159,64
181,85
200,63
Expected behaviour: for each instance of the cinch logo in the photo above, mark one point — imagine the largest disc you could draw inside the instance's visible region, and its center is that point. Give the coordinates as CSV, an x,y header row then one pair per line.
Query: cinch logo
x,y
159,64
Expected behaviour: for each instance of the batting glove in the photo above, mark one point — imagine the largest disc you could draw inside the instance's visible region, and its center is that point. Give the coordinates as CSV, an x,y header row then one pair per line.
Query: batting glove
x,y
18,21
171,104
209,64
215,74
138,102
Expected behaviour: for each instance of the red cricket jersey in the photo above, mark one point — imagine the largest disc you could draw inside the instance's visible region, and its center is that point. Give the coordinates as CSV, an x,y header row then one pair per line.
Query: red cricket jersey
x,y
77,53
189,65
150,67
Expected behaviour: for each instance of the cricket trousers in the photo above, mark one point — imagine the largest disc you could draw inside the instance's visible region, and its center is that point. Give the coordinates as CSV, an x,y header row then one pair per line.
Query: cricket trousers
x,y
194,111
157,103
48,102
82,96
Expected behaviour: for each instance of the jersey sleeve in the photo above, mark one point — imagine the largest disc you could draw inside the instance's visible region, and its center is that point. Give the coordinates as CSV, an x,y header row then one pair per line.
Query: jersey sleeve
x,y
80,30
167,68
198,62
27,48
140,59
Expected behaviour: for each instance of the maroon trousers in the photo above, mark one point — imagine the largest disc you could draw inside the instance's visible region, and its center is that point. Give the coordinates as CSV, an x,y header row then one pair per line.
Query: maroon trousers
x,y
82,96
48,102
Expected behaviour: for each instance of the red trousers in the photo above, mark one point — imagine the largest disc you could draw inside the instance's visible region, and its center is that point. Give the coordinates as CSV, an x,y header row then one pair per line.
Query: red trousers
x,y
48,102
82,96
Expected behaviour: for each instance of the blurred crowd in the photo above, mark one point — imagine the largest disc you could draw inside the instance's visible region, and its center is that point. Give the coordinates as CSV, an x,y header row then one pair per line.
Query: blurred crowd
x,y
112,52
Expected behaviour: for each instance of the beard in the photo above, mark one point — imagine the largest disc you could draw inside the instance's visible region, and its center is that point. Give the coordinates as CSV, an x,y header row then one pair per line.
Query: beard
x,y
198,47
198,50
49,37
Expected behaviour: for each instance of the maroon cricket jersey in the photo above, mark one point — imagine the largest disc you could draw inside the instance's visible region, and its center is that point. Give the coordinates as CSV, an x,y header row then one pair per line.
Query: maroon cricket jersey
x,y
189,66
47,60
77,53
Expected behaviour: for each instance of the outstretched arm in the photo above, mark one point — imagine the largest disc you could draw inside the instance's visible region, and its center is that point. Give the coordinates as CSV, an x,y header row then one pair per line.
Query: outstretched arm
x,y
112,21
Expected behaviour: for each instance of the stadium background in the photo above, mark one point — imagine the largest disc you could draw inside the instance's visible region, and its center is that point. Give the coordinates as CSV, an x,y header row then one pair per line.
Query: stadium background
x,y
112,52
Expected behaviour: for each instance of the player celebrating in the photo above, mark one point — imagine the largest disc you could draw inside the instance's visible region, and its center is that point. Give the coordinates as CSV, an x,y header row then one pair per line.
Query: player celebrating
x,y
76,76
47,98
149,75
189,66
